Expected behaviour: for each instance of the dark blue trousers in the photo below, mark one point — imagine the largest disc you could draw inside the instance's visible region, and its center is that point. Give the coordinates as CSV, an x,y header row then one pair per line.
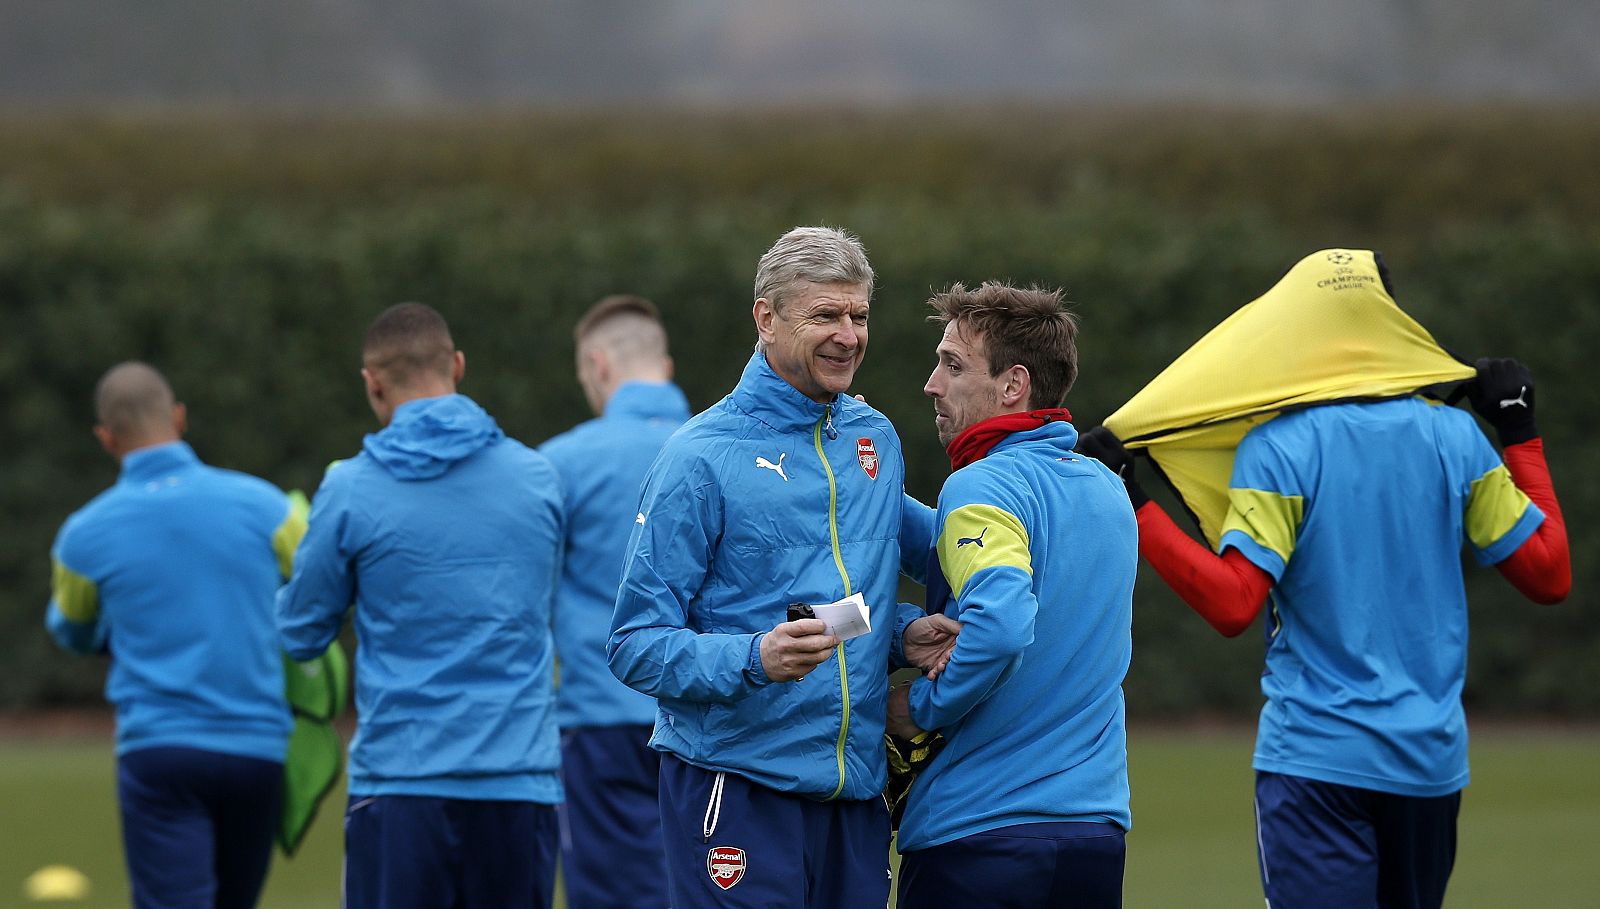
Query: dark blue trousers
x,y
197,826
733,844
611,853
1025,866
412,852
1325,845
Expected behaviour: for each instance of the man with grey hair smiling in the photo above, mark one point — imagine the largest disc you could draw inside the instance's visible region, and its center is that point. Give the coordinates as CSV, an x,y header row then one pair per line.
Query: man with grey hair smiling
x,y
785,495
173,571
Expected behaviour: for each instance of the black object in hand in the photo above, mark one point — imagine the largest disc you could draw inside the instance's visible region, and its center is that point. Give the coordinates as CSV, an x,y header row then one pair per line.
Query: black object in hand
x,y
1502,393
1103,445
798,611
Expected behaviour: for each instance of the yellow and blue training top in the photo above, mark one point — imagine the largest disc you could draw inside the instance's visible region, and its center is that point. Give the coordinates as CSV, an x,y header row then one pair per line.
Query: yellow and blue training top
x,y
1038,547
1359,511
174,570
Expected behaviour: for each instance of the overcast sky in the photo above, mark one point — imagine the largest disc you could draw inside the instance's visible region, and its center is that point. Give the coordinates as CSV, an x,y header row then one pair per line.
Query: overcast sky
x,y
408,53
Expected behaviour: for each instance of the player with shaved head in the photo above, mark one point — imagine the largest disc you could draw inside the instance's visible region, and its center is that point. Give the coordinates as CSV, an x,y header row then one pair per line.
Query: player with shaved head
x,y
611,835
173,571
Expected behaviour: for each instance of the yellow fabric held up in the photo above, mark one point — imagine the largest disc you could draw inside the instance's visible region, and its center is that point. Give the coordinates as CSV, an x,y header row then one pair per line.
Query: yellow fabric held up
x,y
1327,331
1494,506
976,537
1270,519
75,595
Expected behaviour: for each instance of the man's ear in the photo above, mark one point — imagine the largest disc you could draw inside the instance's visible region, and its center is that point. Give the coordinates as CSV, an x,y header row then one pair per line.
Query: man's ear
x,y
765,315
1016,387
599,363
180,419
107,440
458,368
374,384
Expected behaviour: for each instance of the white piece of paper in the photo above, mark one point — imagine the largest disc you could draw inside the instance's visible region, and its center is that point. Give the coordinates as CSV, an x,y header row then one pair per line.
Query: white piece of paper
x,y
846,618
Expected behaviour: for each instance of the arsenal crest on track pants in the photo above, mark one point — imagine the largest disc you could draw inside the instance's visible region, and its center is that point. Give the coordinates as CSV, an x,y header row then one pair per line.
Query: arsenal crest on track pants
x,y
731,842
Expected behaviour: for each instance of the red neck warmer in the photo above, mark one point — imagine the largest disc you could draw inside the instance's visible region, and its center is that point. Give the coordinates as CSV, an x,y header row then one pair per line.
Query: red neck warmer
x,y
976,440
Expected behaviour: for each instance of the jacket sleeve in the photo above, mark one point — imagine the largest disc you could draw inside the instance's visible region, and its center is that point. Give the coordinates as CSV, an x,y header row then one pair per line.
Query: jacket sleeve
x,y
654,647
1227,591
984,554
916,538
312,606
73,616
1541,568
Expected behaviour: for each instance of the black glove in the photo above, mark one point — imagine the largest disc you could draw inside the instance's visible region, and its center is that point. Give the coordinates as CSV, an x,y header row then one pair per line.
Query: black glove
x,y
1502,393
1102,445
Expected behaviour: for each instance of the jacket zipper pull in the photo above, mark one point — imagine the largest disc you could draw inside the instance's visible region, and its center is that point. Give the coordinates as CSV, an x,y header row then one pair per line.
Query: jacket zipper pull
x,y
827,426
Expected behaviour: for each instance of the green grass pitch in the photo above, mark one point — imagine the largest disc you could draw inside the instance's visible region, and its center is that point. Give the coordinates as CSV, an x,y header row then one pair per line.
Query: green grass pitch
x,y
1529,823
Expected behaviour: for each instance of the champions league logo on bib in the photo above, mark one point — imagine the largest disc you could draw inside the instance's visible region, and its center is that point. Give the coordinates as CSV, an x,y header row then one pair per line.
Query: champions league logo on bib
x,y
725,864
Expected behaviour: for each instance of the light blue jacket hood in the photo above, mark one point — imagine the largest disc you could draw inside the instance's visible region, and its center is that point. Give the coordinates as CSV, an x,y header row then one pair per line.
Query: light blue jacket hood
x,y
428,435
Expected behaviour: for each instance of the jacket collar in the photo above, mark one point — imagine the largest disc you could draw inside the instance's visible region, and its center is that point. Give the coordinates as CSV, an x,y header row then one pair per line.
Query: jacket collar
x,y
1058,437
770,398
1050,428
647,400
149,463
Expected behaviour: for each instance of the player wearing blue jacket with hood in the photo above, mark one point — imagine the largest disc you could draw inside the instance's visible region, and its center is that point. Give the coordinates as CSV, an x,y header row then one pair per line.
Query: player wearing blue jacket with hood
x,y
611,822
1027,803
172,571
446,536
786,491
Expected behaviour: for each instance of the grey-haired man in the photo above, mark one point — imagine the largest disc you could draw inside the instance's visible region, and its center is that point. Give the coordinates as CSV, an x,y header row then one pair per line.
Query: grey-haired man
x,y
786,491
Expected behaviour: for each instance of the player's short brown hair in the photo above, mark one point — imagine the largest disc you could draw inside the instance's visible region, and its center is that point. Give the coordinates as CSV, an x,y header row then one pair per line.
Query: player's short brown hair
x,y
1027,326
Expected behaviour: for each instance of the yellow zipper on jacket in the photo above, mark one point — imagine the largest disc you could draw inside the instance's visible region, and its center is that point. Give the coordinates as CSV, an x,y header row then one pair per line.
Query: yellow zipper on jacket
x,y
838,560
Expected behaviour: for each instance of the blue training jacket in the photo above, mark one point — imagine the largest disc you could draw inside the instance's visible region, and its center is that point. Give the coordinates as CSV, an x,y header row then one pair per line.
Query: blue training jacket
x,y
446,536
1039,547
765,499
602,463
174,569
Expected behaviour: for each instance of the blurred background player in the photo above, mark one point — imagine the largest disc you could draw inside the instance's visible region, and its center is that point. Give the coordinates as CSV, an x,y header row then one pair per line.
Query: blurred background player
x,y
172,571
611,823
1027,804
445,534
1352,517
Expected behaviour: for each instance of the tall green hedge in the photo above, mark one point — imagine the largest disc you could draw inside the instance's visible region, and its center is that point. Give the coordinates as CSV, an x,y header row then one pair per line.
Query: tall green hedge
x,y
244,256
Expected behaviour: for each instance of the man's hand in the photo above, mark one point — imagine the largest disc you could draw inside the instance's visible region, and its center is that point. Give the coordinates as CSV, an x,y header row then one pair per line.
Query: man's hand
x,y
1102,444
929,641
899,718
1502,393
793,649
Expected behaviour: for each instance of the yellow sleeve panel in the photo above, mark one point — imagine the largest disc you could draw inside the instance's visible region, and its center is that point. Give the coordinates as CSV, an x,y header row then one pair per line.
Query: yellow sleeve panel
x,y
1494,506
286,539
1271,519
75,595
976,537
